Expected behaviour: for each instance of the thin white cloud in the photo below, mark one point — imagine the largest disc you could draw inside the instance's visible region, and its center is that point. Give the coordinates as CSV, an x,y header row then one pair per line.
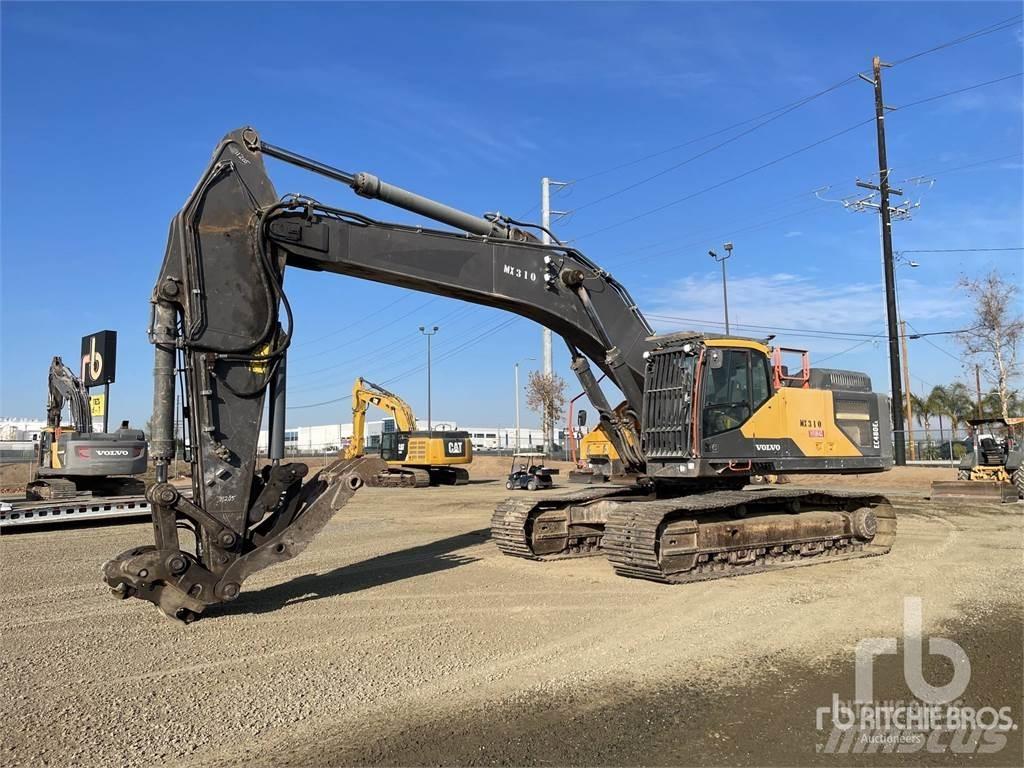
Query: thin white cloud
x,y
760,305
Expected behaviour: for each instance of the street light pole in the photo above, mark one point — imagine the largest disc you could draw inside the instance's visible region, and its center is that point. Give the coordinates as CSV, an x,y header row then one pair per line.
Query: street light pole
x,y
428,334
725,291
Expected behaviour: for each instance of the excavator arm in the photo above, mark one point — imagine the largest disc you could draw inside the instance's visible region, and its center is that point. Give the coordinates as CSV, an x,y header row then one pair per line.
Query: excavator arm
x,y
366,393
66,388
216,323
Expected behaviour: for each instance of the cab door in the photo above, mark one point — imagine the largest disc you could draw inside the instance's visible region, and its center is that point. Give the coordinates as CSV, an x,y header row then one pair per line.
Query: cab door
x,y
736,383
394,446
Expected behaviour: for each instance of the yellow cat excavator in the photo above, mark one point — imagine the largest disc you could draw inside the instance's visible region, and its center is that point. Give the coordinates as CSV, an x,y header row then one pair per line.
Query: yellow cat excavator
x,y
414,459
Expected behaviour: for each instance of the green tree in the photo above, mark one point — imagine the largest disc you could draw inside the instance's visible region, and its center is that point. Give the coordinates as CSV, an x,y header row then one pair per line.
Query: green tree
x,y
959,405
922,412
938,405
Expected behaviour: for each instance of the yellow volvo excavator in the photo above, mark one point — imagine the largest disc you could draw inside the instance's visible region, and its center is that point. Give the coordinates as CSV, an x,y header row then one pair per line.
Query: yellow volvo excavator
x,y
415,459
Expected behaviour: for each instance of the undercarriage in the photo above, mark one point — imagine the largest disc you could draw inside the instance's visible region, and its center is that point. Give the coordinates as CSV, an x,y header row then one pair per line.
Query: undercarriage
x,y
699,536
419,477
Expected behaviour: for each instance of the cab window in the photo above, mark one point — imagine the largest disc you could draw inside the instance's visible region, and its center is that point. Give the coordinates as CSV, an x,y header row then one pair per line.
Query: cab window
x,y
735,385
389,447
760,380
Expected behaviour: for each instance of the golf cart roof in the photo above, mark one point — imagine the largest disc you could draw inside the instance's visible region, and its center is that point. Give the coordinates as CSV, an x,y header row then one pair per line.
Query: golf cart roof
x,y
987,420
528,455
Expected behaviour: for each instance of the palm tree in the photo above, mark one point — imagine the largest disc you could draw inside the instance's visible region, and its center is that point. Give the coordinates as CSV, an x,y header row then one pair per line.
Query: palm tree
x,y
959,405
922,413
938,404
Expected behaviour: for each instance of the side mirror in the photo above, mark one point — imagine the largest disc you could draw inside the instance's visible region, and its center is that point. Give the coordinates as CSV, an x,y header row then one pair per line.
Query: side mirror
x,y
581,419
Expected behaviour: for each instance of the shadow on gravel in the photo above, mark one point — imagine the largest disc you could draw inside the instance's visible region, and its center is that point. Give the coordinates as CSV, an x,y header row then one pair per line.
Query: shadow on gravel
x,y
384,569
769,721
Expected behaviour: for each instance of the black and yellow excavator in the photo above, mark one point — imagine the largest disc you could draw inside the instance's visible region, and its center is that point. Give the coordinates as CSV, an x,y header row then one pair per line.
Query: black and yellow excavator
x,y
703,412
415,459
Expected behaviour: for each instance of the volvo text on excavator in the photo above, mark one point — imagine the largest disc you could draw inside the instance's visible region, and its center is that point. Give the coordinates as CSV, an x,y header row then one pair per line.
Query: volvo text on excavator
x,y
415,459
703,412
75,461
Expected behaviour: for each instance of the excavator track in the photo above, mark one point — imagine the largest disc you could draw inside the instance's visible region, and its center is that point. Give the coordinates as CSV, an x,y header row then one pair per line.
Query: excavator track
x,y
732,533
404,477
522,526
53,489
448,476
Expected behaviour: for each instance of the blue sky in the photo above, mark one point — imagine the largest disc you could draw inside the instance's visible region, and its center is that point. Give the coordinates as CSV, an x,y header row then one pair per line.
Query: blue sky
x,y
110,113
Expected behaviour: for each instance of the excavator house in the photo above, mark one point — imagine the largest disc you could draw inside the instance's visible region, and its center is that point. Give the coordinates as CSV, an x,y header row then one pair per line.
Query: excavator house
x,y
702,412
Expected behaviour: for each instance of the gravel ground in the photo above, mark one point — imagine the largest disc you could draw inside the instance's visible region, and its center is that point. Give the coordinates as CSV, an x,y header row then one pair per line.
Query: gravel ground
x,y
402,637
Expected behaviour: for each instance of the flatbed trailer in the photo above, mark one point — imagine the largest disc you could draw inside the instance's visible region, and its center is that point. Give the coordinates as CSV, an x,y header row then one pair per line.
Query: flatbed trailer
x,y
22,513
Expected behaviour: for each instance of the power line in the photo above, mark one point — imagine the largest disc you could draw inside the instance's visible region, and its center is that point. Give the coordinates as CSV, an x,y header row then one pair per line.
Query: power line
x,y
784,109
362,319
854,334
501,326
675,247
957,250
916,335
788,155
996,27
965,167
846,351
960,360
772,115
818,208
361,337
404,340
965,89
796,105
727,181
765,118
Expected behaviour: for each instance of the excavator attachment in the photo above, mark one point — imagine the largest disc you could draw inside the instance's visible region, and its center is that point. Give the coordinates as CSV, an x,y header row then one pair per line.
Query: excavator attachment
x,y
182,584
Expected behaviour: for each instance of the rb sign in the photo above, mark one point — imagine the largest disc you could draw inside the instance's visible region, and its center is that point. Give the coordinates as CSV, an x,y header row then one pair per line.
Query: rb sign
x,y
99,358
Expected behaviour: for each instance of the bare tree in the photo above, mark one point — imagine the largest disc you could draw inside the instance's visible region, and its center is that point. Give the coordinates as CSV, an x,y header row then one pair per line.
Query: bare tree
x,y
546,395
995,337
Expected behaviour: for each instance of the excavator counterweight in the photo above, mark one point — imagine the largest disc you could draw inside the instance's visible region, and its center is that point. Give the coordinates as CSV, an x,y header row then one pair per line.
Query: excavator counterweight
x,y
702,412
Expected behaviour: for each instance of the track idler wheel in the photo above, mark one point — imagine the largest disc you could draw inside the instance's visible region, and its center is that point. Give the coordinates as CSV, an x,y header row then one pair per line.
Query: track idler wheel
x,y
864,524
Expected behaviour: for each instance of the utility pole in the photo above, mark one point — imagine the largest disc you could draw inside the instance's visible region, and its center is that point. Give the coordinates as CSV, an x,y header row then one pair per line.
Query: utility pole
x,y
725,290
545,220
884,190
517,407
517,398
428,334
912,446
977,387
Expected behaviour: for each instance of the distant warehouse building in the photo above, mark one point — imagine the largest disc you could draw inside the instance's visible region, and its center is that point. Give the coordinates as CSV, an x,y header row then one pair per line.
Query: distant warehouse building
x,y
330,438
18,438
504,438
